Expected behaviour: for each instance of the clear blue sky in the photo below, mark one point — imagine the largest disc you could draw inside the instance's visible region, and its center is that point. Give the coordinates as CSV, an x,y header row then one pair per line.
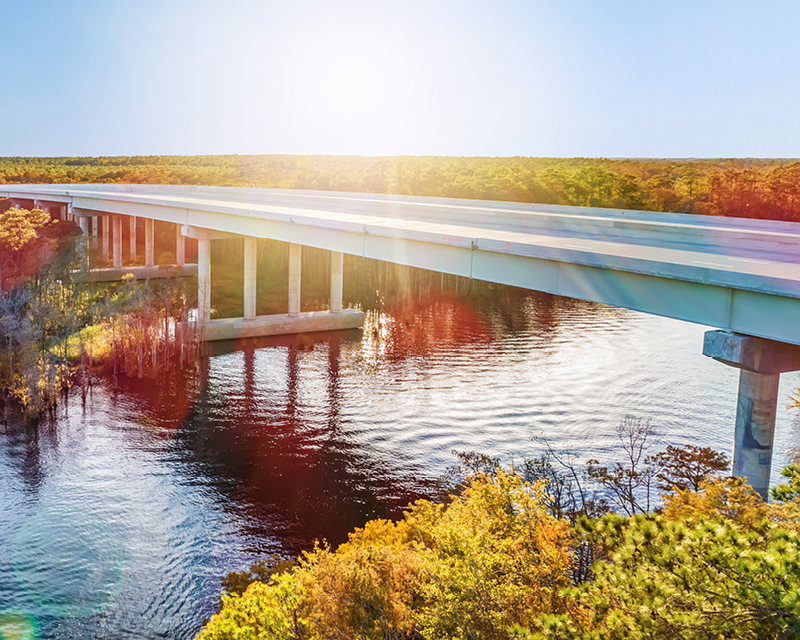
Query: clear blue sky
x,y
632,78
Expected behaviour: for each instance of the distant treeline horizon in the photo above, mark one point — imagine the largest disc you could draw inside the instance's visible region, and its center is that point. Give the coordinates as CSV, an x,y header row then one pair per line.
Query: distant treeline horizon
x,y
750,187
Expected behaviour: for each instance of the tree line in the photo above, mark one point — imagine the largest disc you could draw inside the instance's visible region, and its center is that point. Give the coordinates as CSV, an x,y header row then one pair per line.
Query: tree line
x,y
754,188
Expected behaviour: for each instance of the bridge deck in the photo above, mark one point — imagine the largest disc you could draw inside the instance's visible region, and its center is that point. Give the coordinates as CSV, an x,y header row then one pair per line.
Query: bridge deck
x,y
730,273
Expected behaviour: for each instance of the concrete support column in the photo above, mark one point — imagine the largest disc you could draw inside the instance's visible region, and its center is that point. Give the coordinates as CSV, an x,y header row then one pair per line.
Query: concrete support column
x,y
755,428
84,222
106,237
149,242
132,247
294,278
180,248
761,362
63,212
337,280
250,278
203,280
116,226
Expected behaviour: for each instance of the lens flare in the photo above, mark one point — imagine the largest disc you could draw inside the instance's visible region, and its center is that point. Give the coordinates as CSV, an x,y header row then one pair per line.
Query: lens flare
x,y
69,563
17,625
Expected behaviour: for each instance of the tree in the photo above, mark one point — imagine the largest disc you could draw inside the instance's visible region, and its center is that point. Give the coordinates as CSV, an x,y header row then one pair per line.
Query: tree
x,y
494,557
731,499
273,610
687,467
18,229
261,571
368,587
629,484
691,579
719,563
19,226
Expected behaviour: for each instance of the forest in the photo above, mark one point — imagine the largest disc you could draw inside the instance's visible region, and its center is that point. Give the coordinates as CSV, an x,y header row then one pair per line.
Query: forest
x,y
755,188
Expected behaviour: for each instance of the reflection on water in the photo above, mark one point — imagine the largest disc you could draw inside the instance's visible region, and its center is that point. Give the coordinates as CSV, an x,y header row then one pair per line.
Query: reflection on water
x,y
119,517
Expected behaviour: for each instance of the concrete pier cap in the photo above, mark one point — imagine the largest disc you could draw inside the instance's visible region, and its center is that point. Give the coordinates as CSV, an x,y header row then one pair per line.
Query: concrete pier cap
x,y
753,354
760,362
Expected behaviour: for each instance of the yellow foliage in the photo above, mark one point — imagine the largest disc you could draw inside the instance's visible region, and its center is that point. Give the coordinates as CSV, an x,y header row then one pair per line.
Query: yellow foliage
x,y
19,226
94,339
730,498
366,588
491,559
271,611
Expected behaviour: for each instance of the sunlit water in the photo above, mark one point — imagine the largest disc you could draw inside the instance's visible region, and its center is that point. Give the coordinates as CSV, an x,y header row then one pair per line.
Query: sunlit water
x,y
120,516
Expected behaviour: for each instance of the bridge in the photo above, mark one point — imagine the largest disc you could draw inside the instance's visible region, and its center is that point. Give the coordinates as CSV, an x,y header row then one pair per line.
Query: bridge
x,y
741,276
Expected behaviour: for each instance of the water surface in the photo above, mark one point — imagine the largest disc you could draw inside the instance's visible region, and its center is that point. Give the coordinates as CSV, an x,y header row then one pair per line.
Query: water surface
x,y
120,515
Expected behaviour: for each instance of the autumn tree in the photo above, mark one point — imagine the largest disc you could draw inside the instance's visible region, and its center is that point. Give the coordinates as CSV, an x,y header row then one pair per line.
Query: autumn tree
x,y
19,228
687,467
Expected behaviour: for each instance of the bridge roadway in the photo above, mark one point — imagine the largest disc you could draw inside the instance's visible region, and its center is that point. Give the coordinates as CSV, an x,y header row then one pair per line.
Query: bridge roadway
x,y
741,276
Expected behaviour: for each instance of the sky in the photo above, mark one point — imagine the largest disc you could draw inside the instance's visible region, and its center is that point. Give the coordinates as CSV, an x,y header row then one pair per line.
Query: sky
x,y
554,78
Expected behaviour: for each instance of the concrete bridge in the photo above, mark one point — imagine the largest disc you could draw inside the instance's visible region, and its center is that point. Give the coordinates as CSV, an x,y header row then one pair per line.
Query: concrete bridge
x,y
740,276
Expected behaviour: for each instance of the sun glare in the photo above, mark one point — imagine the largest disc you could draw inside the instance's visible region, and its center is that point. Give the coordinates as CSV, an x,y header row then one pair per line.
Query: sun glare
x,y
364,74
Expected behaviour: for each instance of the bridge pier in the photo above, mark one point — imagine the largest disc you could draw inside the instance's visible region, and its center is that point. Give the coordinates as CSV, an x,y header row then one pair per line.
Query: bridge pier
x,y
295,256
56,210
113,241
132,239
203,279
149,242
116,227
760,362
83,221
249,278
106,231
251,325
180,246
337,280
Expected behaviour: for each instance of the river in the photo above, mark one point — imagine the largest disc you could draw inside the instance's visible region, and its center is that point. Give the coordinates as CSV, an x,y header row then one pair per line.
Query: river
x,y
120,515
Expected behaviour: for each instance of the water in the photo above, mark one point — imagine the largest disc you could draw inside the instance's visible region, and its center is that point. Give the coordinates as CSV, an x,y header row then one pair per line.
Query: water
x,y
120,516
